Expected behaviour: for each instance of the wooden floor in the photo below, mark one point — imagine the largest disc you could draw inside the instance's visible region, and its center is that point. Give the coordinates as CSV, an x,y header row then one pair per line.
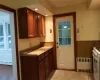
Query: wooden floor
x,y
6,72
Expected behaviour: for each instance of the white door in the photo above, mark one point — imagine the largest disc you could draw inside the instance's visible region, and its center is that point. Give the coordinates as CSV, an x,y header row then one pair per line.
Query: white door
x,y
65,43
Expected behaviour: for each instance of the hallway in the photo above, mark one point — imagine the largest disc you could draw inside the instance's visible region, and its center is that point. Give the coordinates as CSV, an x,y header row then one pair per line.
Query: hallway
x,y
69,75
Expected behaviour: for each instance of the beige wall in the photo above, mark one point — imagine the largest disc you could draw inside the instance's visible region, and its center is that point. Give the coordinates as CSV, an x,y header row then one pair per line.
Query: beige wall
x,y
49,26
87,21
27,43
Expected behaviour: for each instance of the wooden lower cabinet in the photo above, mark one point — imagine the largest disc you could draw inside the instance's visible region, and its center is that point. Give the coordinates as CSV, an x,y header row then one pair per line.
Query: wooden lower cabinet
x,y
51,63
37,67
42,73
47,64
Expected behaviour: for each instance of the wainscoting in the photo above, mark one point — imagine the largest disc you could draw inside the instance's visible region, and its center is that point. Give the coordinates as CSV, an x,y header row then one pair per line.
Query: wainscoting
x,y
6,57
84,48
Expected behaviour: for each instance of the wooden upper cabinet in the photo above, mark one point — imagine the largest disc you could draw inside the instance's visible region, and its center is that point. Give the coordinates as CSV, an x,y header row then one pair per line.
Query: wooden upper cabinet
x,y
41,25
36,24
31,24
27,23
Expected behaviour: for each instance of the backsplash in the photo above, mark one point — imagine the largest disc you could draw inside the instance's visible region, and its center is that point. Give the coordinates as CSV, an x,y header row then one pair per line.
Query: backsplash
x,y
28,43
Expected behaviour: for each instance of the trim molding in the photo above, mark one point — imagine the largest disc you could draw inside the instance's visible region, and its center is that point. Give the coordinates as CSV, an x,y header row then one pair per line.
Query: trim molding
x,y
75,42
67,69
15,22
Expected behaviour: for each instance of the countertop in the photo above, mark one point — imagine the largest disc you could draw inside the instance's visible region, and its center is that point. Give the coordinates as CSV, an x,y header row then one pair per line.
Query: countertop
x,y
38,51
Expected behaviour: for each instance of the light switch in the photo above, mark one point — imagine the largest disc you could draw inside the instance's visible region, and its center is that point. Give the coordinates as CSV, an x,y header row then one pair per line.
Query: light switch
x,y
77,30
50,30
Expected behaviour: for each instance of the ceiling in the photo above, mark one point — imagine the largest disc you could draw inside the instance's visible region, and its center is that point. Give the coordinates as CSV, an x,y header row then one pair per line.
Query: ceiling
x,y
94,4
49,6
42,10
62,3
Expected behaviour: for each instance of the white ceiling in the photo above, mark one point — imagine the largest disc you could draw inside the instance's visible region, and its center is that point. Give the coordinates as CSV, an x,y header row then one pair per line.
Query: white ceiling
x,y
42,10
62,3
94,4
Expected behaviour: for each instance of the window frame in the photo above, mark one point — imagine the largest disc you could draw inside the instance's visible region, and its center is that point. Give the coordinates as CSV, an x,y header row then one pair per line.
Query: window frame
x,y
5,32
67,37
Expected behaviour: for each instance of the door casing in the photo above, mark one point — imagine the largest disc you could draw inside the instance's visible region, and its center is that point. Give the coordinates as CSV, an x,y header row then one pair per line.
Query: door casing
x,y
16,41
75,42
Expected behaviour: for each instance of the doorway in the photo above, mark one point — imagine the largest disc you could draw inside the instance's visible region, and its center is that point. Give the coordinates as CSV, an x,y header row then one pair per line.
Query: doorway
x,y
65,40
9,64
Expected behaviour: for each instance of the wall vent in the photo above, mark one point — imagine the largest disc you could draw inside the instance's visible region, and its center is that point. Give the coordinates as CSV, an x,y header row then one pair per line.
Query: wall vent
x,y
84,64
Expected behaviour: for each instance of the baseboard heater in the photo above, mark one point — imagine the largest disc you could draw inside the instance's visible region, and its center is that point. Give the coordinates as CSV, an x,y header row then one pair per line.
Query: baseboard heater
x,y
84,64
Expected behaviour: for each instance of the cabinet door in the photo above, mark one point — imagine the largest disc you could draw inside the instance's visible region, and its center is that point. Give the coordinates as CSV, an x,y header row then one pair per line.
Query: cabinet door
x,y
43,26
36,24
51,59
40,25
51,62
47,65
42,74
31,26
22,23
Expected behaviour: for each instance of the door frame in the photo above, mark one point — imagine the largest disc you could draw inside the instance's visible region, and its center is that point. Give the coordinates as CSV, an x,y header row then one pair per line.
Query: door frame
x,y
75,42
16,41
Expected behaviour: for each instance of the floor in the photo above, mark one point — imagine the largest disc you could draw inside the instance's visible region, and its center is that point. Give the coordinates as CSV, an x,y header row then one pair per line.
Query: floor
x,y
6,72
69,75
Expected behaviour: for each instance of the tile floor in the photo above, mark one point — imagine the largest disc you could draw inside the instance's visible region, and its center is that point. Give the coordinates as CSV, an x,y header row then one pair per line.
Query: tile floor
x,y
69,75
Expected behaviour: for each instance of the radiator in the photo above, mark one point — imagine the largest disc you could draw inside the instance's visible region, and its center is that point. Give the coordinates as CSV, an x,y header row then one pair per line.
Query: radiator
x,y
84,64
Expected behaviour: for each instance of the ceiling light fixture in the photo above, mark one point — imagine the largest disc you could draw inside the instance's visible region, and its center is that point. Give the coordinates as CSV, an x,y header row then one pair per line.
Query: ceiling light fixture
x,y
46,15
36,9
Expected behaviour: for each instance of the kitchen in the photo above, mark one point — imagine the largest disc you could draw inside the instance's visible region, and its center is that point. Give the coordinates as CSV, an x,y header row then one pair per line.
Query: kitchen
x,y
87,29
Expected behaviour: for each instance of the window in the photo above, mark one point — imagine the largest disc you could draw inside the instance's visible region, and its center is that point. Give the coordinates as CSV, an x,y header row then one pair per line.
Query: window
x,y
5,36
64,33
8,35
1,37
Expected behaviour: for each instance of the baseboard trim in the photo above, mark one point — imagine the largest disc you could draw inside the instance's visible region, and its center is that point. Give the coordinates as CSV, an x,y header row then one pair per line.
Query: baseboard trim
x,y
67,69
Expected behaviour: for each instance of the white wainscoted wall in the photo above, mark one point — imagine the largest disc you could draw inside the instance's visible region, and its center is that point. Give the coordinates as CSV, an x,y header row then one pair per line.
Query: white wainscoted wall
x,y
5,54
6,57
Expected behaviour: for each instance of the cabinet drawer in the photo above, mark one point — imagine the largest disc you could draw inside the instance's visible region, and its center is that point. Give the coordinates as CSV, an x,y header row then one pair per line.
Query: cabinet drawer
x,y
41,57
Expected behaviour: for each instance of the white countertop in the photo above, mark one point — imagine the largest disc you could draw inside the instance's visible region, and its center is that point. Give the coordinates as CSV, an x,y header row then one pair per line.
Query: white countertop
x,y
39,51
